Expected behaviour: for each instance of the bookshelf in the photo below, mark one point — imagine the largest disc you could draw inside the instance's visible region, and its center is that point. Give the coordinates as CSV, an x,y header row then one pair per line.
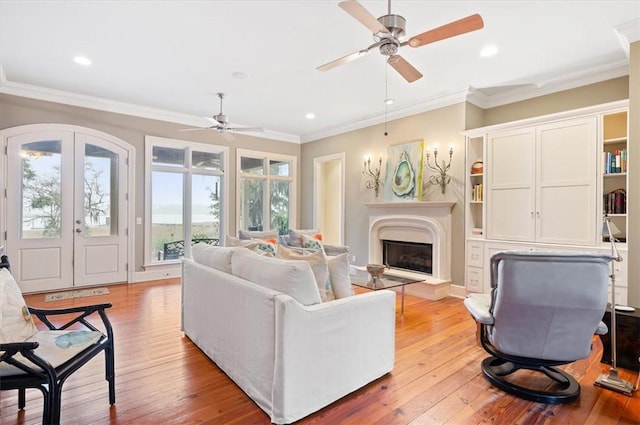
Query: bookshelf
x,y
475,187
614,170
546,181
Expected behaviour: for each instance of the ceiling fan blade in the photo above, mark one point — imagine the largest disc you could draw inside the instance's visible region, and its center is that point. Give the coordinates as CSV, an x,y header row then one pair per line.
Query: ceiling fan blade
x,y
238,129
355,9
343,60
461,26
404,68
196,129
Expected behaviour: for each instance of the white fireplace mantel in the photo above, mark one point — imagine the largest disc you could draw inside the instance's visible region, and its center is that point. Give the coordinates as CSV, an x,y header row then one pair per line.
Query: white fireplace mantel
x,y
422,222
417,204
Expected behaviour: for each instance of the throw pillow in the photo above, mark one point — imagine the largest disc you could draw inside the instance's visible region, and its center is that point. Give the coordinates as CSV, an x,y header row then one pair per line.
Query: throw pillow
x,y
312,242
250,244
217,257
294,278
295,235
339,274
268,246
16,324
318,262
257,234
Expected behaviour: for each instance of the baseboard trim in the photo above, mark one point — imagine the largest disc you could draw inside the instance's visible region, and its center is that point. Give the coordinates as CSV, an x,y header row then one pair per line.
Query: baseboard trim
x,y
148,275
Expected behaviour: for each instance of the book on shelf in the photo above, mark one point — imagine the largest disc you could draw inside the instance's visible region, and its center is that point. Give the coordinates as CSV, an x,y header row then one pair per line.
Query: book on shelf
x,y
615,162
476,193
615,202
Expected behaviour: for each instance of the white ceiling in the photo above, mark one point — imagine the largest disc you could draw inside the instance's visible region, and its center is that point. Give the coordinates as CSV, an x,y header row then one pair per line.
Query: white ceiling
x,y
167,59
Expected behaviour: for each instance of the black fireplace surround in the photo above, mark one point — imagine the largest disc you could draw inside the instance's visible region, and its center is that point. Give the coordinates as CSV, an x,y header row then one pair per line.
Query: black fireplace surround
x,y
411,256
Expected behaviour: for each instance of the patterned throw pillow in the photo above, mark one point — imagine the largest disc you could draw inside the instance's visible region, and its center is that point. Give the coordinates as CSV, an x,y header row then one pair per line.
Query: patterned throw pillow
x,y
269,245
16,324
318,262
295,235
312,241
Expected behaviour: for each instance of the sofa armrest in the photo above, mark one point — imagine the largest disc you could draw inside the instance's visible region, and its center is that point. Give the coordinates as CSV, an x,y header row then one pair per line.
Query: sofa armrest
x,y
326,351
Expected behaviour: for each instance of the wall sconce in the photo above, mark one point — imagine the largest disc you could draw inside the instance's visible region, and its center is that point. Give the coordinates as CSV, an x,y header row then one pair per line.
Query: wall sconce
x,y
443,179
373,181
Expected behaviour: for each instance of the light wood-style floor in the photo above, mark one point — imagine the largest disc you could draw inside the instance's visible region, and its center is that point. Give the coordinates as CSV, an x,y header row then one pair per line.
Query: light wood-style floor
x,y
162,378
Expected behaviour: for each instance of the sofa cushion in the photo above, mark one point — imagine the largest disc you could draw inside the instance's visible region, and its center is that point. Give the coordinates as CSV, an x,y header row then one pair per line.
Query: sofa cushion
x,y
257,234
295,235
318,262
16,324
217,257
339,273
294,278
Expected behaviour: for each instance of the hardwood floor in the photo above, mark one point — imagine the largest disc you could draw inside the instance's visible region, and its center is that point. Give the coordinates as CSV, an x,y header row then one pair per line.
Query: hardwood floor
x,y
162,378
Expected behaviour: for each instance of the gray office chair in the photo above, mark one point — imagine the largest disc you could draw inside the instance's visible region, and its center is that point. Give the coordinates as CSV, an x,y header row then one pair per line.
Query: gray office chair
x,y
543,310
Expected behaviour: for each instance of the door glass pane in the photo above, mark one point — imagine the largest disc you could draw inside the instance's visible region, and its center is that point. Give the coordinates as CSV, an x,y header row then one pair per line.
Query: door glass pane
x,y
168,156
279,192
100,191
166,215
279,168
251,204
251,165
41,189
206,160
205,209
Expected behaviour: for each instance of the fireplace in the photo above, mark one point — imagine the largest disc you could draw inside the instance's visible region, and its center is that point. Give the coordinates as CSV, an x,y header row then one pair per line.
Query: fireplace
x,y
413,237
409,256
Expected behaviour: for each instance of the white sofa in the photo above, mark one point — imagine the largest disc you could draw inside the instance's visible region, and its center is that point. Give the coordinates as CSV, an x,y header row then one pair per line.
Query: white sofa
x,y
292,359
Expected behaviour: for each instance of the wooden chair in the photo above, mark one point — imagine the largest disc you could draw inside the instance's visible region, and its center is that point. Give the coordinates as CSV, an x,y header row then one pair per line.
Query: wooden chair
x,y
46,358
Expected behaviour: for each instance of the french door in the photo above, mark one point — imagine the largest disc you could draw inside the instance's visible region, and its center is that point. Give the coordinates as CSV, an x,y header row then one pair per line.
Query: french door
x,y
66,208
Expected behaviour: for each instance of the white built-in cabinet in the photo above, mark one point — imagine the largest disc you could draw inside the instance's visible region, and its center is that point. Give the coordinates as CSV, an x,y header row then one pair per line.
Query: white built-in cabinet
x,y
544,185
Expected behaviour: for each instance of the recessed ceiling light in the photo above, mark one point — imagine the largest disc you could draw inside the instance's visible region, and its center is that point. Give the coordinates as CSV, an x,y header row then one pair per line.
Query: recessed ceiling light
x,y
489,51
240,75
389,101
81,60
310,116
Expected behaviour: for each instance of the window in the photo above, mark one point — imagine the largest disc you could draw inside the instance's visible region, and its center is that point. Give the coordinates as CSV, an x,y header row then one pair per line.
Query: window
x,y
185,197
266,191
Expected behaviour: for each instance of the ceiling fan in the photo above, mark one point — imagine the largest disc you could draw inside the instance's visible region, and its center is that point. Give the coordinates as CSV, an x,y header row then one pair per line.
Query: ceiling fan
x,y
388,33
220,123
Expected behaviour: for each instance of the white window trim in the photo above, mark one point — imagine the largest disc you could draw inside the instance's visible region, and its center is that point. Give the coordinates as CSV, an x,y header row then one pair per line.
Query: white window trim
x,y
150,142
292,178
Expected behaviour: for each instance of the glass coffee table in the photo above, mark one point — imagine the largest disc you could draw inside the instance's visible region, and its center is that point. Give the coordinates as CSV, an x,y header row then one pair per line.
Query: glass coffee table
x,y
362,279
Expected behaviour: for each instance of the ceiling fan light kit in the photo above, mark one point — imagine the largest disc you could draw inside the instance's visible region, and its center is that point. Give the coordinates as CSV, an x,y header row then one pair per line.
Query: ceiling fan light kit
x,y
389,30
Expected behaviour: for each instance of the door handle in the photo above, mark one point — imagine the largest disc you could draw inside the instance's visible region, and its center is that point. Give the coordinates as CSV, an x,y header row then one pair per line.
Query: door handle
x,y
78,221
78,230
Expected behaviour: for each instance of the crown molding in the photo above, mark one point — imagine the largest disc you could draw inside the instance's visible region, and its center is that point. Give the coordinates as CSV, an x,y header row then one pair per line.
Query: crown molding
x,y
434,102
628,32
476,96
552,85
107,105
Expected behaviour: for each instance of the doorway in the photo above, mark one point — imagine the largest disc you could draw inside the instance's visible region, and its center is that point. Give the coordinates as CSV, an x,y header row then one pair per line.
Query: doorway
x,y
66,207
328,203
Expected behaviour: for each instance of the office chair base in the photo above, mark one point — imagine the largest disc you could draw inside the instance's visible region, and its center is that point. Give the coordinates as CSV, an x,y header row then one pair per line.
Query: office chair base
x,y
495,369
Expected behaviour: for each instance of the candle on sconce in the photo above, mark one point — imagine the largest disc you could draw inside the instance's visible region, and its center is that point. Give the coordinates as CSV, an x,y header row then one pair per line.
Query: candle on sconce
x,y
451,150
373,181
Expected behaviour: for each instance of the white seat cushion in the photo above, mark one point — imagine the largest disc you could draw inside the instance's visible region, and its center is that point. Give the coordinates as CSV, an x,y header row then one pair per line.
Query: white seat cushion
x,y
56,347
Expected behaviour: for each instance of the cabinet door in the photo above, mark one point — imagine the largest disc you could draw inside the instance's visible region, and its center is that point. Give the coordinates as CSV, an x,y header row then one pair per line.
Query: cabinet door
x,y
566,170
511,191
